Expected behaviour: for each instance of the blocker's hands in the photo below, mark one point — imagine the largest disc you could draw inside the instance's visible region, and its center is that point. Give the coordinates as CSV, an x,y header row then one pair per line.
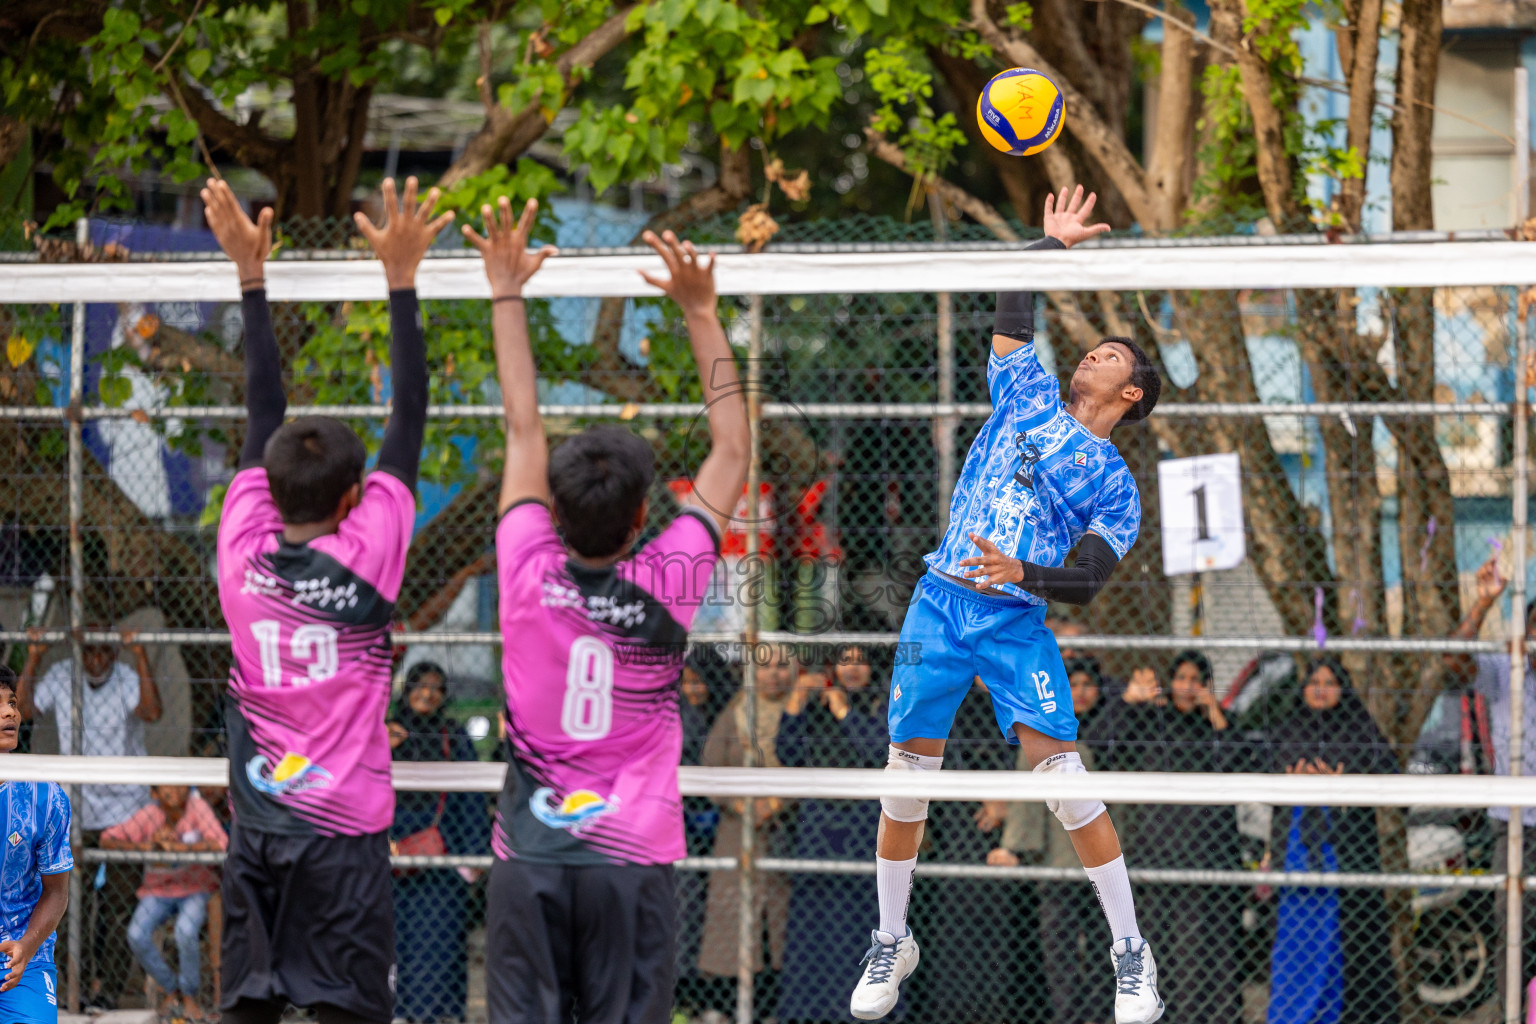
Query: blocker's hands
x,y
692,284
991,567
247,243
407,232
508,261
1066,219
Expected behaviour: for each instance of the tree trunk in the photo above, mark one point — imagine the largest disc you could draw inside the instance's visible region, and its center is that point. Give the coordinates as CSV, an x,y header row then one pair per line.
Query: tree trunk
x,y
1413,119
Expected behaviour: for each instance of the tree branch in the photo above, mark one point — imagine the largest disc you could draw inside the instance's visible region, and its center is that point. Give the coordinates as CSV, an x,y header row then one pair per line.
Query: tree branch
x,y
506,134
1273,163
1167,170
982,212
1083,120
249,146
1364,46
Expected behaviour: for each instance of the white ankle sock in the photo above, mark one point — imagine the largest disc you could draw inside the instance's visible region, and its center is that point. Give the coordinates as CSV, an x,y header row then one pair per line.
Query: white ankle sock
x,y
893,879
1113,886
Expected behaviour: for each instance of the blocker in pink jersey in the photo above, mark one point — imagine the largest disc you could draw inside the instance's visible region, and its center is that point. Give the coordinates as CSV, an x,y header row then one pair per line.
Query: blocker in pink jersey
x,y
591,664
309,626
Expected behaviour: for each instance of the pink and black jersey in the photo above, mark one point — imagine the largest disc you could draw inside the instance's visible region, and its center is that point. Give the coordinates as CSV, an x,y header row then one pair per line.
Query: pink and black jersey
x,y
310,682
591,660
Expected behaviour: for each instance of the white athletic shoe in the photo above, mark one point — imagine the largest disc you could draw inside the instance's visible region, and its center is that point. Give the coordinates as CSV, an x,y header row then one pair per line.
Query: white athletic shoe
x,y
1136,998
889,962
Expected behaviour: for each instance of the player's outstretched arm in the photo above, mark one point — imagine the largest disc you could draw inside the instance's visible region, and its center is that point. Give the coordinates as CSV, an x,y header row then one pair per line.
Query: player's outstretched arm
x,y
248,243
691,285
508,266
1066,224
408,231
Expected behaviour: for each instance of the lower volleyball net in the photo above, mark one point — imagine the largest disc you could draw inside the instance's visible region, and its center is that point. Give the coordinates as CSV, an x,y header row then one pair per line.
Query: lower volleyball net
x,y
1380,897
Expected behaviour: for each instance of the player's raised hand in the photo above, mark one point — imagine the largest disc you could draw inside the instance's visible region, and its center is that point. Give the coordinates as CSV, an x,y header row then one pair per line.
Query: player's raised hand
x,y
692,281
15,964
246,242
508,261
408,231
991,567
1066,217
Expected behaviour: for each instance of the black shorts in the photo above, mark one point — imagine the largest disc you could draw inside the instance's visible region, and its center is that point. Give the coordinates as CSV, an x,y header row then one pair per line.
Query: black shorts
x,y
310,919
592,943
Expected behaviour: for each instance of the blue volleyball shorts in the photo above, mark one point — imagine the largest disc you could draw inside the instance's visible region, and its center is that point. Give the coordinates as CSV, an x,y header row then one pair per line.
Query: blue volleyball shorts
x,y
951,635
35,999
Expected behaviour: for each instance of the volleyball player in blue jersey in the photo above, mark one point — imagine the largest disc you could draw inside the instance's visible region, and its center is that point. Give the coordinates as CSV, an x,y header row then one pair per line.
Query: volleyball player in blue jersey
x,y
35,862
1040,479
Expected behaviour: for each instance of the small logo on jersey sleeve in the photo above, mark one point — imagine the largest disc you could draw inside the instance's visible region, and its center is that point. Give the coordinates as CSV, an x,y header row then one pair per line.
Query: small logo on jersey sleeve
x,y
295,773
574,813
1080,459
14,838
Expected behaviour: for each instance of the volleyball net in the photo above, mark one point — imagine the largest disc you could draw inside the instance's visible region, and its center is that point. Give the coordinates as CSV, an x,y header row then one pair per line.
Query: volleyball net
x,y
1368,395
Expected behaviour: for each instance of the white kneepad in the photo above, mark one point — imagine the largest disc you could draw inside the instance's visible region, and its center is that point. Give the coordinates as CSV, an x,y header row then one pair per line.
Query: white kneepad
x,y
906,808
1073,814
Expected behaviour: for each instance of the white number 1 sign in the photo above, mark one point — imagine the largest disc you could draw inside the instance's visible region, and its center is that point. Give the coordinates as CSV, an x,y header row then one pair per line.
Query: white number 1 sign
x,y
1202,506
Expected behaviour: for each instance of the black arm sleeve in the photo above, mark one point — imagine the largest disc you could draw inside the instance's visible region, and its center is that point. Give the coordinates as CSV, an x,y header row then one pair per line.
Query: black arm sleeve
x,y
265,403
1079,584
1015,316
400,451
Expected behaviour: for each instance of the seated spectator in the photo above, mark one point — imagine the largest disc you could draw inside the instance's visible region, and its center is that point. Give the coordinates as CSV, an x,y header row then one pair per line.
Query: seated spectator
x,y
116,701
989,913
1071,923
1197,926
177,821
702,687
832,720
1331,961
431,904
727,745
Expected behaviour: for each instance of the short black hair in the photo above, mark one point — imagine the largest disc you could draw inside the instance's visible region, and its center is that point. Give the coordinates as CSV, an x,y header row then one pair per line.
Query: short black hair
x,y
1192,657
598,481
7,679
311,462
1143,375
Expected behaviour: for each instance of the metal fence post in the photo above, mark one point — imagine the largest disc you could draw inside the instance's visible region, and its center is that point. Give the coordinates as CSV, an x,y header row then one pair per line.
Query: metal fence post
x,y
945,425
748,934
1514,887
1514,962
76,615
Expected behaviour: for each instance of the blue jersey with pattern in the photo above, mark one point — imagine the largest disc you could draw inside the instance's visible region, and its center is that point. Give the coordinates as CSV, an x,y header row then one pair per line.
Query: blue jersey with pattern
x,y
1035,479
35,843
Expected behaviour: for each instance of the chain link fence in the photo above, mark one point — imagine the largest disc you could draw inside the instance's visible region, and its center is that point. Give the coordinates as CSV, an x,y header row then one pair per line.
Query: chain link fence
x,y
1382,467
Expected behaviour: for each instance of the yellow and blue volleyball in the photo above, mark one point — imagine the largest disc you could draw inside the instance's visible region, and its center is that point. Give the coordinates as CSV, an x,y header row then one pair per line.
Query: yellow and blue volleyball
x,y
1020,112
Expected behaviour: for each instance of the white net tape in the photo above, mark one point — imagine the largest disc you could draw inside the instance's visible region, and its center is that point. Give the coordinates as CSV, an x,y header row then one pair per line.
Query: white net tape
x,y
868,784
1087,268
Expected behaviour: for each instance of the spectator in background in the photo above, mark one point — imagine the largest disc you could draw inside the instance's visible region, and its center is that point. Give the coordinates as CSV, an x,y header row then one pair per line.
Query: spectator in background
x,y
1488,674
115,703
1071,924
728,742
1184,731
1331,963
431,905
178,821
701,689
957,984
832,720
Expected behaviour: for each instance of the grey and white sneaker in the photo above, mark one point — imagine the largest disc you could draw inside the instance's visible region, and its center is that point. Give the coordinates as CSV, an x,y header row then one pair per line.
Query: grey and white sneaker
x,y
886,966
1136,998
